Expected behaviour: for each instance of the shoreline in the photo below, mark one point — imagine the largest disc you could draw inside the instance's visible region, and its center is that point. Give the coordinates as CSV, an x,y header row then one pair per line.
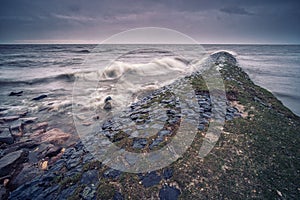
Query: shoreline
x,y
250,159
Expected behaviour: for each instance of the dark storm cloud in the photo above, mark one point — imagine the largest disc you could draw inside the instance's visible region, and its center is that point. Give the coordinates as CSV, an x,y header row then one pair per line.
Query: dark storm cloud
x,y
208,21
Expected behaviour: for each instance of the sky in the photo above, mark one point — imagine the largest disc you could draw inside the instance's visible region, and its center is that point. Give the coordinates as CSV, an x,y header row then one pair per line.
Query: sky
x,y
207,21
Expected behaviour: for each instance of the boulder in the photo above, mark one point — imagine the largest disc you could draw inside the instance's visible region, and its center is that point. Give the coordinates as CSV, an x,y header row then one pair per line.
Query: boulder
x,y
9,162
9,118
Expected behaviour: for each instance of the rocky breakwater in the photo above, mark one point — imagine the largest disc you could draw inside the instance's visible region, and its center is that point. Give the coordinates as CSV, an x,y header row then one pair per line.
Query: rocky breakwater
x,y
256,155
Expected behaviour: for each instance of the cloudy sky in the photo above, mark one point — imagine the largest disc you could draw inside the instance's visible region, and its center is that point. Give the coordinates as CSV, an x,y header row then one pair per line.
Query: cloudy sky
x,y
207,21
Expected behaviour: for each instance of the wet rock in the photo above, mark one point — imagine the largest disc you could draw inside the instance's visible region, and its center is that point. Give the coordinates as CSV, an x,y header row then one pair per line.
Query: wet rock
x,y
42,125
167,173
168,193
201,127
89,177
112,173
28,173
54,136
156,142
9,161
163,133
39,97
3,193
27,144
28,120
107,106
150,179
6,137
139,143
108,98
9,118
19,93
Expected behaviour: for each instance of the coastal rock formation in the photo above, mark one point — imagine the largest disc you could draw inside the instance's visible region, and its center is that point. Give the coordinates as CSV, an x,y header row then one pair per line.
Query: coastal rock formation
x,y
256,155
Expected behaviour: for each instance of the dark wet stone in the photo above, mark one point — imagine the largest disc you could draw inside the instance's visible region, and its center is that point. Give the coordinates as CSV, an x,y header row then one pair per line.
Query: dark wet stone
x,y
169,193
229,116
163,133
167,173
71,163
151,179
118,196
11,160
171,112
67,192
19,93
39,97
135,116
139,143
9,118
107,106
231,110
107,125
156,142
112,173
6,137
201,127
28,120
108,98
89,177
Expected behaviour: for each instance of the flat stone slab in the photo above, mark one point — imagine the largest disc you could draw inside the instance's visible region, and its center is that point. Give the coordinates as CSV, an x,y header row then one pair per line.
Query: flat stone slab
x,y
9,160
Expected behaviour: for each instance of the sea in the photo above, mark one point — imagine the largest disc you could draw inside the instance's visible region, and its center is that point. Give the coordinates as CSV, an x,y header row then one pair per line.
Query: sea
x,y
51,69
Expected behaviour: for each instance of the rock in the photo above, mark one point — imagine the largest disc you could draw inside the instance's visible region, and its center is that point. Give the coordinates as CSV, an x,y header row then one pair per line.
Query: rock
x,y
139,143
112,173
167,173
108,98
163,133
107,106
89,177
44,165
9,161
3,193
156,142
151,179
201,127
6,137
28,120
9,118
42,125
28,144
54,136
168,193
28,173
39,97
15,93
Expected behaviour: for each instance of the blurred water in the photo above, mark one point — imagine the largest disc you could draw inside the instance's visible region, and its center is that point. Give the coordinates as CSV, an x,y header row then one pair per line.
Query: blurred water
x,y
51,68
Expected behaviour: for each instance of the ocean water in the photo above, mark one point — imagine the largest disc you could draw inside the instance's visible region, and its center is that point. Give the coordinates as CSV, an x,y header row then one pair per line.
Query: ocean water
x,y
52,69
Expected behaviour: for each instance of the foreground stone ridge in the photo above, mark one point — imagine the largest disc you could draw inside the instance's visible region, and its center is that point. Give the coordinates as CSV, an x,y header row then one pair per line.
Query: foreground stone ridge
x,y
255,157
